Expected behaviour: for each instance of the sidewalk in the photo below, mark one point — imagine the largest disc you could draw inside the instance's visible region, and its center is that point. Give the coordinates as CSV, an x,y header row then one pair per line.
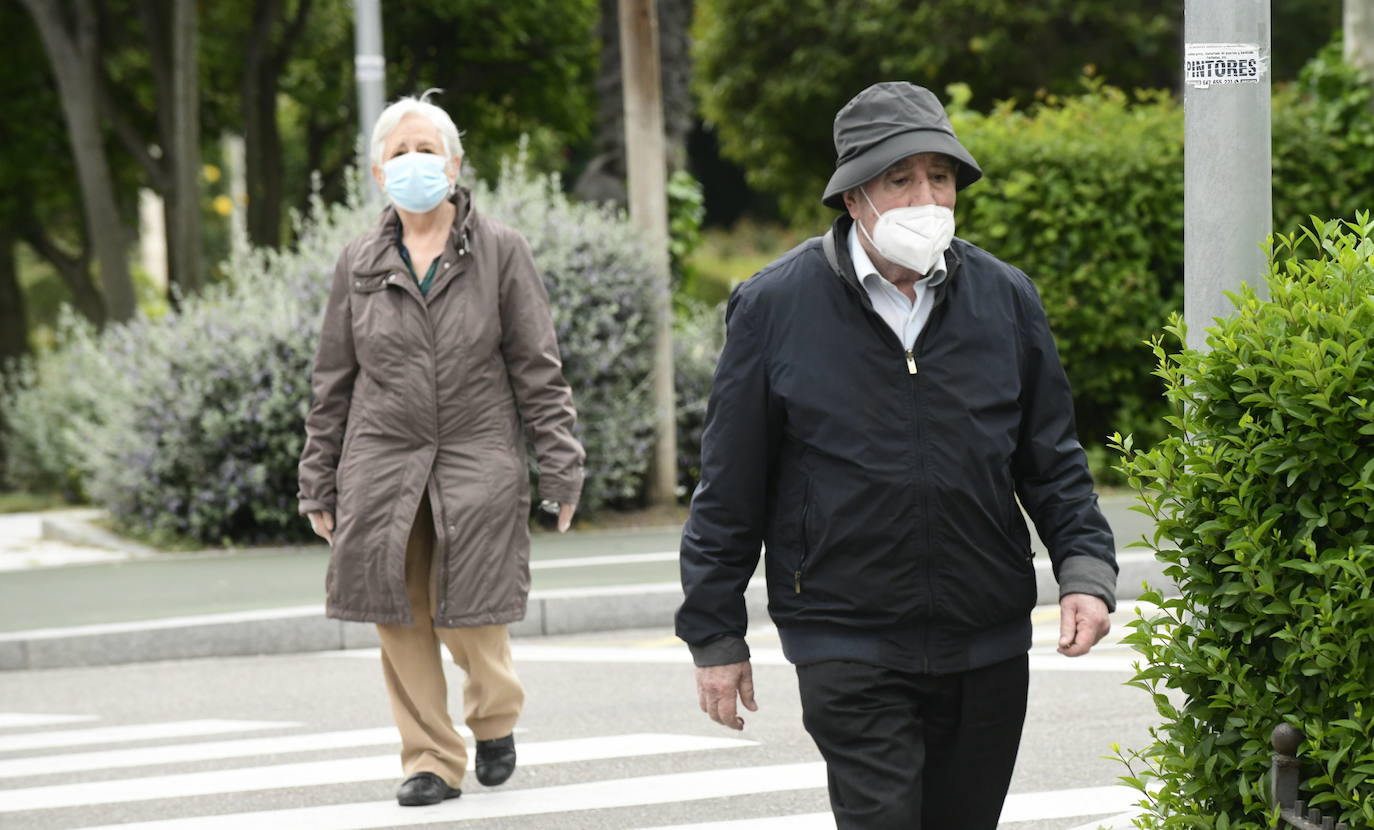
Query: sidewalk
x,y
72,594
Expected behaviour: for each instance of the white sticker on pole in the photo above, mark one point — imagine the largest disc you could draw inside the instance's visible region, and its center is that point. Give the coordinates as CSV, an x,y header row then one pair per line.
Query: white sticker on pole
x,y
1222,64
369,67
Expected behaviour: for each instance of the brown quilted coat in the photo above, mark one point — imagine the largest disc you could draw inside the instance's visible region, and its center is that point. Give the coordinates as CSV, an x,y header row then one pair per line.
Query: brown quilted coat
x,y
413,393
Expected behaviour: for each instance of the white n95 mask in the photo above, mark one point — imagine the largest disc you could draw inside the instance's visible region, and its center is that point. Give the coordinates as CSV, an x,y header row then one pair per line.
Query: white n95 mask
x,y
913,237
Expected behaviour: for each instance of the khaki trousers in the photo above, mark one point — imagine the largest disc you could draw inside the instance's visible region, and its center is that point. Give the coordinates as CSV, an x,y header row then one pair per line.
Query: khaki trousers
x,y
411,663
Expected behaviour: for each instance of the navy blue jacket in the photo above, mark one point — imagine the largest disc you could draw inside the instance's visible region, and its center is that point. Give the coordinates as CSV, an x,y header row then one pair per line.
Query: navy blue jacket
x,y
883,483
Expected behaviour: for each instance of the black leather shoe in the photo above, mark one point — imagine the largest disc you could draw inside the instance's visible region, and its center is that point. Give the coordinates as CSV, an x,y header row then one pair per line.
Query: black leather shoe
x,y
495,760
425,788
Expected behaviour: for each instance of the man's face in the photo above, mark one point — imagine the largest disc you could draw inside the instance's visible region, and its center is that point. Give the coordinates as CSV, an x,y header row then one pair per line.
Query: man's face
x,y
922,179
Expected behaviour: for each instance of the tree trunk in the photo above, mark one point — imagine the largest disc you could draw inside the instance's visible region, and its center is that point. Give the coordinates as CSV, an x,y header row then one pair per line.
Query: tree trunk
x,y
184,219
73,56
1358,24
14,325
261,142
604,178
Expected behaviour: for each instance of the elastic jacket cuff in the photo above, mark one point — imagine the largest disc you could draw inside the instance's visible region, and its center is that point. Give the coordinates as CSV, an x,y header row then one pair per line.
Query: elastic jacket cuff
x,y
1088,575
308,506
564,490
720,652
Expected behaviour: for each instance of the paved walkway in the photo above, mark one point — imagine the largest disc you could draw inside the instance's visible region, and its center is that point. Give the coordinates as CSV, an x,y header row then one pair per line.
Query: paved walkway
x,y
72,593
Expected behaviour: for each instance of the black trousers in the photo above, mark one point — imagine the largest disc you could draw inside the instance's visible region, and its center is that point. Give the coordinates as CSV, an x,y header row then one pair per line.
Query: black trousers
x,y
915,751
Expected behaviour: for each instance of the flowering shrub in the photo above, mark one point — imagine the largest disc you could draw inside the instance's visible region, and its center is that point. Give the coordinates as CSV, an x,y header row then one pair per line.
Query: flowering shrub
x,y
596,271
189,426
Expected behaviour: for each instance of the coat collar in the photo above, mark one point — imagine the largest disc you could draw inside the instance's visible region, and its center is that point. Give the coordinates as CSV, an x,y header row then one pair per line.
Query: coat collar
x,y
377,252
835,244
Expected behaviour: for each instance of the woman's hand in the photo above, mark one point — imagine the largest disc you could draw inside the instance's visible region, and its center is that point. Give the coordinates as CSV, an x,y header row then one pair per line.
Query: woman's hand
x,y
322,523
565,516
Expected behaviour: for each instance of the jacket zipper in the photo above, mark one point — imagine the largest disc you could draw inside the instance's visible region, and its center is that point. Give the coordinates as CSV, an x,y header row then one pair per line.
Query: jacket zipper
x,y
806,547
925,498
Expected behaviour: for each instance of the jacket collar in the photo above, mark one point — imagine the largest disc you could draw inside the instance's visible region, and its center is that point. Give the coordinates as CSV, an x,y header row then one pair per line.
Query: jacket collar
x,y
835,244
378,253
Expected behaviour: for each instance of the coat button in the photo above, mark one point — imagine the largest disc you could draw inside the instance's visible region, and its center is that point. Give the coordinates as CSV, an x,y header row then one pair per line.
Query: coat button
x,y
358,283
391,278
445,264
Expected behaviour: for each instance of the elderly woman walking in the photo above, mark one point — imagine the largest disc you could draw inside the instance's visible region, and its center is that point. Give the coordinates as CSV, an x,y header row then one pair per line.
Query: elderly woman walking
x,y
437,359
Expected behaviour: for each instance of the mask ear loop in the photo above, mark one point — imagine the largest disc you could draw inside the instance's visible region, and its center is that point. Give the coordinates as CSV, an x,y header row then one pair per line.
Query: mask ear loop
x,y
874,208
457,174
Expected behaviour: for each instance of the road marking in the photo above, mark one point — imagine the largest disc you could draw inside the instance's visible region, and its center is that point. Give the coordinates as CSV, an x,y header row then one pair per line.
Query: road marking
x,y
188,753
1040,659
344,771
1084,801
596,795
17,720
598,561
1052,661
1119,822
137,732
1088,801
804,821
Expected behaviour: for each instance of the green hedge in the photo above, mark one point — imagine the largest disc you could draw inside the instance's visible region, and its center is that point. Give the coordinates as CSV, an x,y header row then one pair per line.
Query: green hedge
x,y
1263,498
1085,193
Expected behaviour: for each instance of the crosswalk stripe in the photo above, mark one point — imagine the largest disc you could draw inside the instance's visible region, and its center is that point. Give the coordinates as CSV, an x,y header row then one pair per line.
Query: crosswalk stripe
x,y
1089,662
343,771
1118,822
138,732
1042,806
1040,659
596,795
1083,801
18,720
187,753
804,821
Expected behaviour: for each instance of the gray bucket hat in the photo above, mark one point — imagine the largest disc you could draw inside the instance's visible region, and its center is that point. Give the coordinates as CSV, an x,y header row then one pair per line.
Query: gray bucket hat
x,y
886,123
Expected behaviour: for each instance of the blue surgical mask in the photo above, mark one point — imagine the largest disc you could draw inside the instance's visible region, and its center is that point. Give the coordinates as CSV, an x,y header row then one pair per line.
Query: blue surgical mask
x,y
416,181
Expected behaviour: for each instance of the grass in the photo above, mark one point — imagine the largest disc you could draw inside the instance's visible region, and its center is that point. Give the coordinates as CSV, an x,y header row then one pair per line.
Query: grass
x,y
727,257
29,502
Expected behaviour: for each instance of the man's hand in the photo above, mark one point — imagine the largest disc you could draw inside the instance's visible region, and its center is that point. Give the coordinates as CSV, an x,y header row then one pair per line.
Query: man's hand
x,y
322,523
717,687
1083,620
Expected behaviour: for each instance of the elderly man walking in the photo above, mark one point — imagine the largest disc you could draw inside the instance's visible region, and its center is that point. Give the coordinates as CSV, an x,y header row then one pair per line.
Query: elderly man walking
x,y
886,393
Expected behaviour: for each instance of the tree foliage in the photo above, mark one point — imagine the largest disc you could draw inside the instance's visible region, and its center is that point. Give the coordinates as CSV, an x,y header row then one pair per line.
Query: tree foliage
x,y
771,74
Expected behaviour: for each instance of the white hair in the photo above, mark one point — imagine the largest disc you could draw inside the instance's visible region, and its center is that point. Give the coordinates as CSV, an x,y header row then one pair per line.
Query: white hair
x,y
411,105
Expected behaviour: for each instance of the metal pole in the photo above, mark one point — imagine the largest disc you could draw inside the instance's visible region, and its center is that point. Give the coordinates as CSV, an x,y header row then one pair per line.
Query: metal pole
x,y
1227,203
370,71
1357,18
647,167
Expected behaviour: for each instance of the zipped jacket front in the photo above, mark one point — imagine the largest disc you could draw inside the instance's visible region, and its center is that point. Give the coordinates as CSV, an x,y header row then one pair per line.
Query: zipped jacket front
x,y
884,482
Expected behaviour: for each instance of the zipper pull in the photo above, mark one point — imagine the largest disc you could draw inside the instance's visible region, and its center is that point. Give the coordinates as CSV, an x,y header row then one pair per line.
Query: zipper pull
x,y
796,585
910,363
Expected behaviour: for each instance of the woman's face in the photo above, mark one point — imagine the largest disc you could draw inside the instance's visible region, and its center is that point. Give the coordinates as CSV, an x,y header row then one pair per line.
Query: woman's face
x,y
414,134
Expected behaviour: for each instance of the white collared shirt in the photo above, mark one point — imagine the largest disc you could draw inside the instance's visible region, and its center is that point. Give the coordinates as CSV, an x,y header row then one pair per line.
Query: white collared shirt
x,y
904,317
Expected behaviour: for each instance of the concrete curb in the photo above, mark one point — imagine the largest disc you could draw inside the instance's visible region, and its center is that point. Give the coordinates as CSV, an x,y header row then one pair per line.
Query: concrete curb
x,y
77,527
305,628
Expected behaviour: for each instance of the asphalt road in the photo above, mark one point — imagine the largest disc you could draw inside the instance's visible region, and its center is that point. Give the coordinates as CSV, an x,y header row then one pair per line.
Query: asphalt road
x,y
611,738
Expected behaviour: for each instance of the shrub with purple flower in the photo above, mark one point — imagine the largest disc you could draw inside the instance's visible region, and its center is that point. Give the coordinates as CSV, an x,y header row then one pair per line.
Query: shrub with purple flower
x,y
188,427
